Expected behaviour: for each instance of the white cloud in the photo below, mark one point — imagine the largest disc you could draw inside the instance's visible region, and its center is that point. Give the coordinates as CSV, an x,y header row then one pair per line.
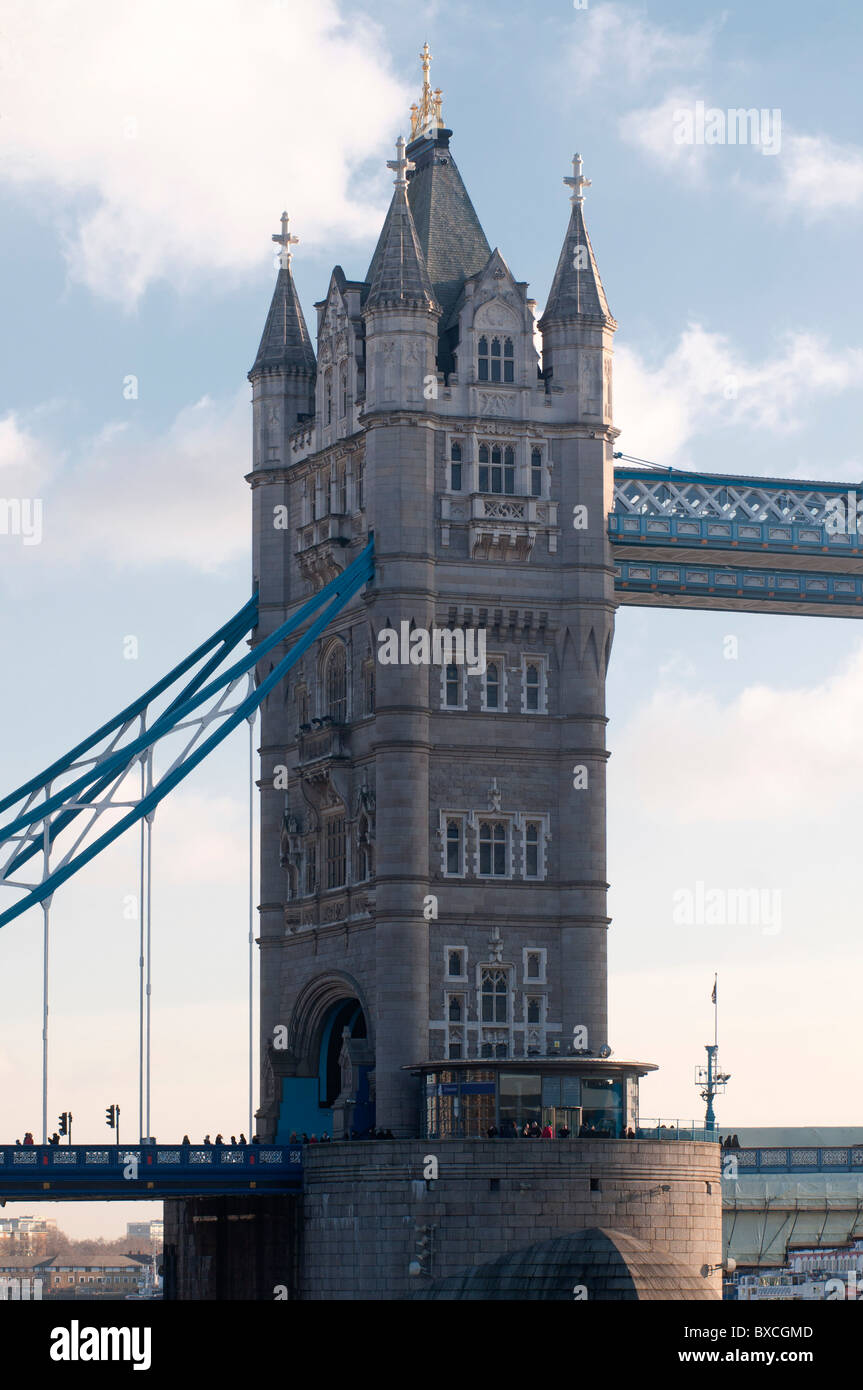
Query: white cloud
x,y
773,755
136,499
818,176
618,37
807,173
705,382
651,129
167,137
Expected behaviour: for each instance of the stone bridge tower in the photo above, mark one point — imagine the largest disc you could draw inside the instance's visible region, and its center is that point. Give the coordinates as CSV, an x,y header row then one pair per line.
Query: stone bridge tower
x,y
433,868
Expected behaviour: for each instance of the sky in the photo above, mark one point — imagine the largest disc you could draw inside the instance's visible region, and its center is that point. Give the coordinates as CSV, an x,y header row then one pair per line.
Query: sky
x,y
146,154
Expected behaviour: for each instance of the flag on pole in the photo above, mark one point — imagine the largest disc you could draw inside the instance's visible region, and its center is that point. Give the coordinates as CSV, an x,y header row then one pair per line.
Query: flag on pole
x,y
713,995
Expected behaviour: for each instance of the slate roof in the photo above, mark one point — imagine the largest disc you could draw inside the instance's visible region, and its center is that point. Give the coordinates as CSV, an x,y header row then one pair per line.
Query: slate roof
x,y
285,344
576,291
610,1265
398,273
453,242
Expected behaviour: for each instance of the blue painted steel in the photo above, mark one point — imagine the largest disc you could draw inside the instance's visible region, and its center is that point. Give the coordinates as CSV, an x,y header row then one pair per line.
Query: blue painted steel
x,y
670,577
683,475
336,595
343,587
716,532
147,1172
241,623
841,1159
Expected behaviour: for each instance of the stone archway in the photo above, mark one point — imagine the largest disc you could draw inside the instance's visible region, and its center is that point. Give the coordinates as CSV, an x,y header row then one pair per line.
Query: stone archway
x,y
329,1035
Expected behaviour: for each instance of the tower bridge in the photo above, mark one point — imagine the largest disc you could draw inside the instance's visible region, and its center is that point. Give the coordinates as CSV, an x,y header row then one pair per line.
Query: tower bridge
x,y
432,914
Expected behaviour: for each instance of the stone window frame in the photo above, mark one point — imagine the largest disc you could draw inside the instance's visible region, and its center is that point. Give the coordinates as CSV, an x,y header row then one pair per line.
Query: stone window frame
x,y
302,702
343,389
462,818
494,818
462,686
461,442
332,839
326,658
542,978
502,707
491,359
310,867
484,968
540,819
505,446
534,448
463,978
540,660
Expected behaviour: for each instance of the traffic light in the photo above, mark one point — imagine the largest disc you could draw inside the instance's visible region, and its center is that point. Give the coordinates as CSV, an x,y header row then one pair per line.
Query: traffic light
x,y
110,1119
64,1122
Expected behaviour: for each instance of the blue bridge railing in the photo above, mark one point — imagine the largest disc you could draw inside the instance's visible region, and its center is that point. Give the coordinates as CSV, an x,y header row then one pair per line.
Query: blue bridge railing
x,y
793,1160
148,1171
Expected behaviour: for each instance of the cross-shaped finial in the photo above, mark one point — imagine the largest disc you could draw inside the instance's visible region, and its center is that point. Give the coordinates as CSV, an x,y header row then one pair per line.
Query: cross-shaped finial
x,y
286,241
578,182
400,164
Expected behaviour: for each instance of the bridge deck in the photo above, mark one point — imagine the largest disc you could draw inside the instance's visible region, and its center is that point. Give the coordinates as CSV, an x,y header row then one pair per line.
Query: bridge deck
x,y
769,545
88,1171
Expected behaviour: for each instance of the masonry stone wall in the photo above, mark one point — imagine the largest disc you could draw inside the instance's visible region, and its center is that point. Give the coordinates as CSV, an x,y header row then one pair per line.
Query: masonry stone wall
x,y
365,1203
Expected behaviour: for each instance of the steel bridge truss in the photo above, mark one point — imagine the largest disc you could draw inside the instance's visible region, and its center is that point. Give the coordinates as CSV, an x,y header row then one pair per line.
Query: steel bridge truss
x,y
55,814
695,540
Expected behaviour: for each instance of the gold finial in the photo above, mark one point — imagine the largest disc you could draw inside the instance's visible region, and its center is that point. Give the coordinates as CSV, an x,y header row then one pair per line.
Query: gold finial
x,y
426,116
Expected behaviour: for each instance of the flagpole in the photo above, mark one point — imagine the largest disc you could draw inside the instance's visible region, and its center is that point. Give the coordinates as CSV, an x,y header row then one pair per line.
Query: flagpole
x,y
715,1011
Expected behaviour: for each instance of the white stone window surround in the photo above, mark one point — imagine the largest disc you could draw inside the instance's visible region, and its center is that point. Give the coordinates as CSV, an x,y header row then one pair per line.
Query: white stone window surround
x,y
461,979
540,819
470,437
500,661
476,820
530,981
463,439
541,662
462,687
490,1031
462,817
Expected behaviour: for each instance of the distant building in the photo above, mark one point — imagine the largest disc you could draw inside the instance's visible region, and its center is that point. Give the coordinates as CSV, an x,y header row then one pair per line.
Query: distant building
x,y
824,1273
145,1230
70,1276
26,1225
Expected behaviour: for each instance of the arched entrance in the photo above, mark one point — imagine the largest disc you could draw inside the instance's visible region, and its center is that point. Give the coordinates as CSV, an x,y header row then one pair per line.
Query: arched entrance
x,y
332,1089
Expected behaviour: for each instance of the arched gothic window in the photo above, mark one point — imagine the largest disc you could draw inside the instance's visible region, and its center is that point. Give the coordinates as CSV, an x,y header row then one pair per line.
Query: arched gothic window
x,y
336,684
496,468
494,996
492,849
343,390
495,359
536,473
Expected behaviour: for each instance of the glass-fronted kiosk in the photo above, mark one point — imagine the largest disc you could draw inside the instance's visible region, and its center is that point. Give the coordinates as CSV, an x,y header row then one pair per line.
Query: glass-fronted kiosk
x,y
575,1097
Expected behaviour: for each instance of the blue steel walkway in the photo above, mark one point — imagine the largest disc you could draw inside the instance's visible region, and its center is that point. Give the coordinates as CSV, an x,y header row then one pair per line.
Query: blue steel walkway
x,y
88,1171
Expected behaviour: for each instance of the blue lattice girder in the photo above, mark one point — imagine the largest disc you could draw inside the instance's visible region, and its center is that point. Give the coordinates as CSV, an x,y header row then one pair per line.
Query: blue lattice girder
x,y
180,714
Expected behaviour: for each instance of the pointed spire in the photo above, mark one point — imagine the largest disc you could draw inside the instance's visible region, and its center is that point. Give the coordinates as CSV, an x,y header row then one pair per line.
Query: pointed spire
x,y
398,273
285,344
576,290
